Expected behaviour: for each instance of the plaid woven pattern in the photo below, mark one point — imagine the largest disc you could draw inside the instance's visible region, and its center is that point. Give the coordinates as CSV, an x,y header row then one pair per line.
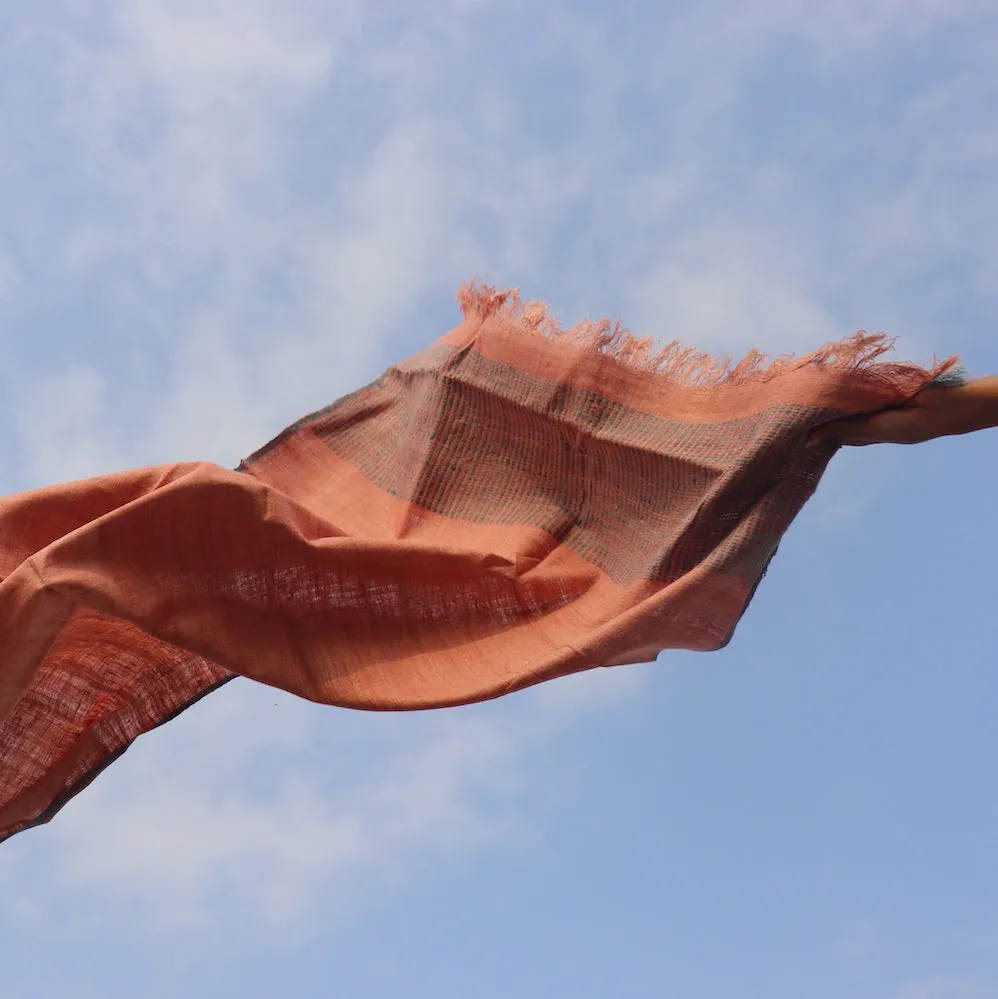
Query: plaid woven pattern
x,y
513,504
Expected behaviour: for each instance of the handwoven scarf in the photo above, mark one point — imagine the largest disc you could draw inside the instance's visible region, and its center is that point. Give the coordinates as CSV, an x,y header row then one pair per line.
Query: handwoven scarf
x,y
513,504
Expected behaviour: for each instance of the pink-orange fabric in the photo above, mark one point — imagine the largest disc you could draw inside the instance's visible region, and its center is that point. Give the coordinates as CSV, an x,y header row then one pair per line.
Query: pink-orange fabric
x,y
511,505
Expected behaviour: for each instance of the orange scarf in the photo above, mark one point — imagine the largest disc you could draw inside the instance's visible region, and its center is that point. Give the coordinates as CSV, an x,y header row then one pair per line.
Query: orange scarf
x,y
511,505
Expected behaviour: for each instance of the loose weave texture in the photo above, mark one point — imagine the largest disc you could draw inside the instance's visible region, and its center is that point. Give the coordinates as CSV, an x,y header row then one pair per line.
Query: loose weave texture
x,y
511,505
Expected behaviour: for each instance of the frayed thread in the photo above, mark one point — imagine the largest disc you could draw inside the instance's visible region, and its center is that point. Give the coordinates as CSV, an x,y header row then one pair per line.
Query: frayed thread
x,y
857,354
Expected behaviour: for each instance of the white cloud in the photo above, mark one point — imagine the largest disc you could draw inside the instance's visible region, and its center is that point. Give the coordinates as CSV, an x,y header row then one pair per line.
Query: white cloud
x,y
729,290
63,426
203,53
258,808
267,300
258,291
177,115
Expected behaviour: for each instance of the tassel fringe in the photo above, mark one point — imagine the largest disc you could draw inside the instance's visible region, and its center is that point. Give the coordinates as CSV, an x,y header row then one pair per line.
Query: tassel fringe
x,y
858,354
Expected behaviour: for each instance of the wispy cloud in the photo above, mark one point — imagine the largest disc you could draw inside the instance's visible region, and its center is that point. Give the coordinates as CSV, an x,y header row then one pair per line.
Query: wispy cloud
x,y
245,204
728,290
258,804
260,301
72,399
181,844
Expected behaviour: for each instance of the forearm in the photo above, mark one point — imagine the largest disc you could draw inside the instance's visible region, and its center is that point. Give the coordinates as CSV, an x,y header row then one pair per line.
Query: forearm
x,y
978,405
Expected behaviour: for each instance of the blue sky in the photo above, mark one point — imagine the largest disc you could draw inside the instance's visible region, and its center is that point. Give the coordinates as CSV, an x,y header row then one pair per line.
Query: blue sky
x,y
216,216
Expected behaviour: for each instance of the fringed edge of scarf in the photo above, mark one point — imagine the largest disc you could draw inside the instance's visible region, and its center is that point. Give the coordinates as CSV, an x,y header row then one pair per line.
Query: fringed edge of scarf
x,y
857,355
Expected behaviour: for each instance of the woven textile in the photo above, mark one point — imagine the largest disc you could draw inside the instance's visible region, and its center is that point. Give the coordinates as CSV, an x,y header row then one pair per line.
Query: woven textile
x,y
513,504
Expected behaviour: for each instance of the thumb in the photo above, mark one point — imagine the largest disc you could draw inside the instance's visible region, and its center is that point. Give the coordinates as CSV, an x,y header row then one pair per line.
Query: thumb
x,y
886,427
